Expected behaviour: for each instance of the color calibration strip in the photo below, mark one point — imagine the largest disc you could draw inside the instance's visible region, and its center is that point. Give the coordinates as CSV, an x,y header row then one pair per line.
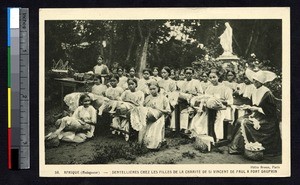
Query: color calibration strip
x,y
18,88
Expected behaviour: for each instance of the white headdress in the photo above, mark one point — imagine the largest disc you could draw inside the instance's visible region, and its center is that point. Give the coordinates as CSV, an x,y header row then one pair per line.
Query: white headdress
x,y
264,76
261,76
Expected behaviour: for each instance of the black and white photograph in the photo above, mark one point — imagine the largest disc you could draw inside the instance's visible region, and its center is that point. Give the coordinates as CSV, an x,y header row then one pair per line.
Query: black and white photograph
x,y
164,92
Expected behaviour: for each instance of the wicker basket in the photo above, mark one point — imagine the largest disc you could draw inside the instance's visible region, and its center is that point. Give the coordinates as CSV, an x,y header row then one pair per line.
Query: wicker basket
x,y
200,145
254,155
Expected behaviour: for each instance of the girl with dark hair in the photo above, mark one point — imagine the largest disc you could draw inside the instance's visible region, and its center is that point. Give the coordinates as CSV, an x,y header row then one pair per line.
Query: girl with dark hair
x,y
98,88
230,80
101,69
78,127
155,73
122,79
145,81
172,74
181,80
218,96
150,120
129,99
168,88
112,93
192,87
204,81
132,73
166,83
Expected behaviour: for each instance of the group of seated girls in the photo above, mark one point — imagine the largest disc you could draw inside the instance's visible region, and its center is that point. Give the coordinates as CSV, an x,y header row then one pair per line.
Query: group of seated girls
x,y
145,104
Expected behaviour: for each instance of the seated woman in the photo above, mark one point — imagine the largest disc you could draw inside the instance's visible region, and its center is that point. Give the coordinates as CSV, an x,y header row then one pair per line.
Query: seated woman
x,y
122,79
192,87
261,124
143,82
217,97
129,99
113,93
150,120
78,127
98,92
168,88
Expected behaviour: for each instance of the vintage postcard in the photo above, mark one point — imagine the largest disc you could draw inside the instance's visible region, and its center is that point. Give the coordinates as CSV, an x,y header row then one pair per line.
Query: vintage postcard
x,y
164,92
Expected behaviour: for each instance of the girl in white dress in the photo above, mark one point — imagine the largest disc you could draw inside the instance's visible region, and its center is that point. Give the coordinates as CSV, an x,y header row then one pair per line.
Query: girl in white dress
x,y
78,127
144,82
218,97
101,69
130,99
168,88
122,79
192,87
112,94
157,106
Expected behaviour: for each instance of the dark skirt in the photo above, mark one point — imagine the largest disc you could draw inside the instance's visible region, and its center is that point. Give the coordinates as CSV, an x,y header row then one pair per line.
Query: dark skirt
x,y
268,134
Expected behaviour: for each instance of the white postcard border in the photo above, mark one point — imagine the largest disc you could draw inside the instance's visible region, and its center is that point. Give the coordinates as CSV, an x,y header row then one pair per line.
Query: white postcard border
x,y
174,170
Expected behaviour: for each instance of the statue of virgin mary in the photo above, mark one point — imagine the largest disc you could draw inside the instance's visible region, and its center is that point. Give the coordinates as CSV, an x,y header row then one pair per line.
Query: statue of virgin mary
x,y
226,40
226,43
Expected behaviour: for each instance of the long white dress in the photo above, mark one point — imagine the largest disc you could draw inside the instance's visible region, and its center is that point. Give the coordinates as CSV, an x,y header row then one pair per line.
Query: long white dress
x,y
154,132
191,88
200,120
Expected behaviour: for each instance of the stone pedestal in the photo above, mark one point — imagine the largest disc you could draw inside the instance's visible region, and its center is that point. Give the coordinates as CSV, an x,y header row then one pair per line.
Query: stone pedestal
x,y
228,56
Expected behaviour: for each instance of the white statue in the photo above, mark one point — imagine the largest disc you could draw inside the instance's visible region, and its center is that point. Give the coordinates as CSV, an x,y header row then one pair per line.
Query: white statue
x,y
226,40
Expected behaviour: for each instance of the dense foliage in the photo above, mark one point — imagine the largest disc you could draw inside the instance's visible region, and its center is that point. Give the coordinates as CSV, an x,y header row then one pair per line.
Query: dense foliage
x,y
175,43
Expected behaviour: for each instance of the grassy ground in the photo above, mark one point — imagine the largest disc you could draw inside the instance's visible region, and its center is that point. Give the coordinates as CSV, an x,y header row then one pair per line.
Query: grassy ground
x,y
106,148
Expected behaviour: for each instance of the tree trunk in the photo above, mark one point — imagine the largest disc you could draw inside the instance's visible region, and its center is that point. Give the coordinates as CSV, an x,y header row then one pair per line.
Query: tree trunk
x,y
143,59
130,47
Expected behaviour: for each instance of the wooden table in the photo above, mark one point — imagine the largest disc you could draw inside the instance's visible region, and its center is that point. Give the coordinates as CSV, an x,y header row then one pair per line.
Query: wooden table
x,y
69,83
